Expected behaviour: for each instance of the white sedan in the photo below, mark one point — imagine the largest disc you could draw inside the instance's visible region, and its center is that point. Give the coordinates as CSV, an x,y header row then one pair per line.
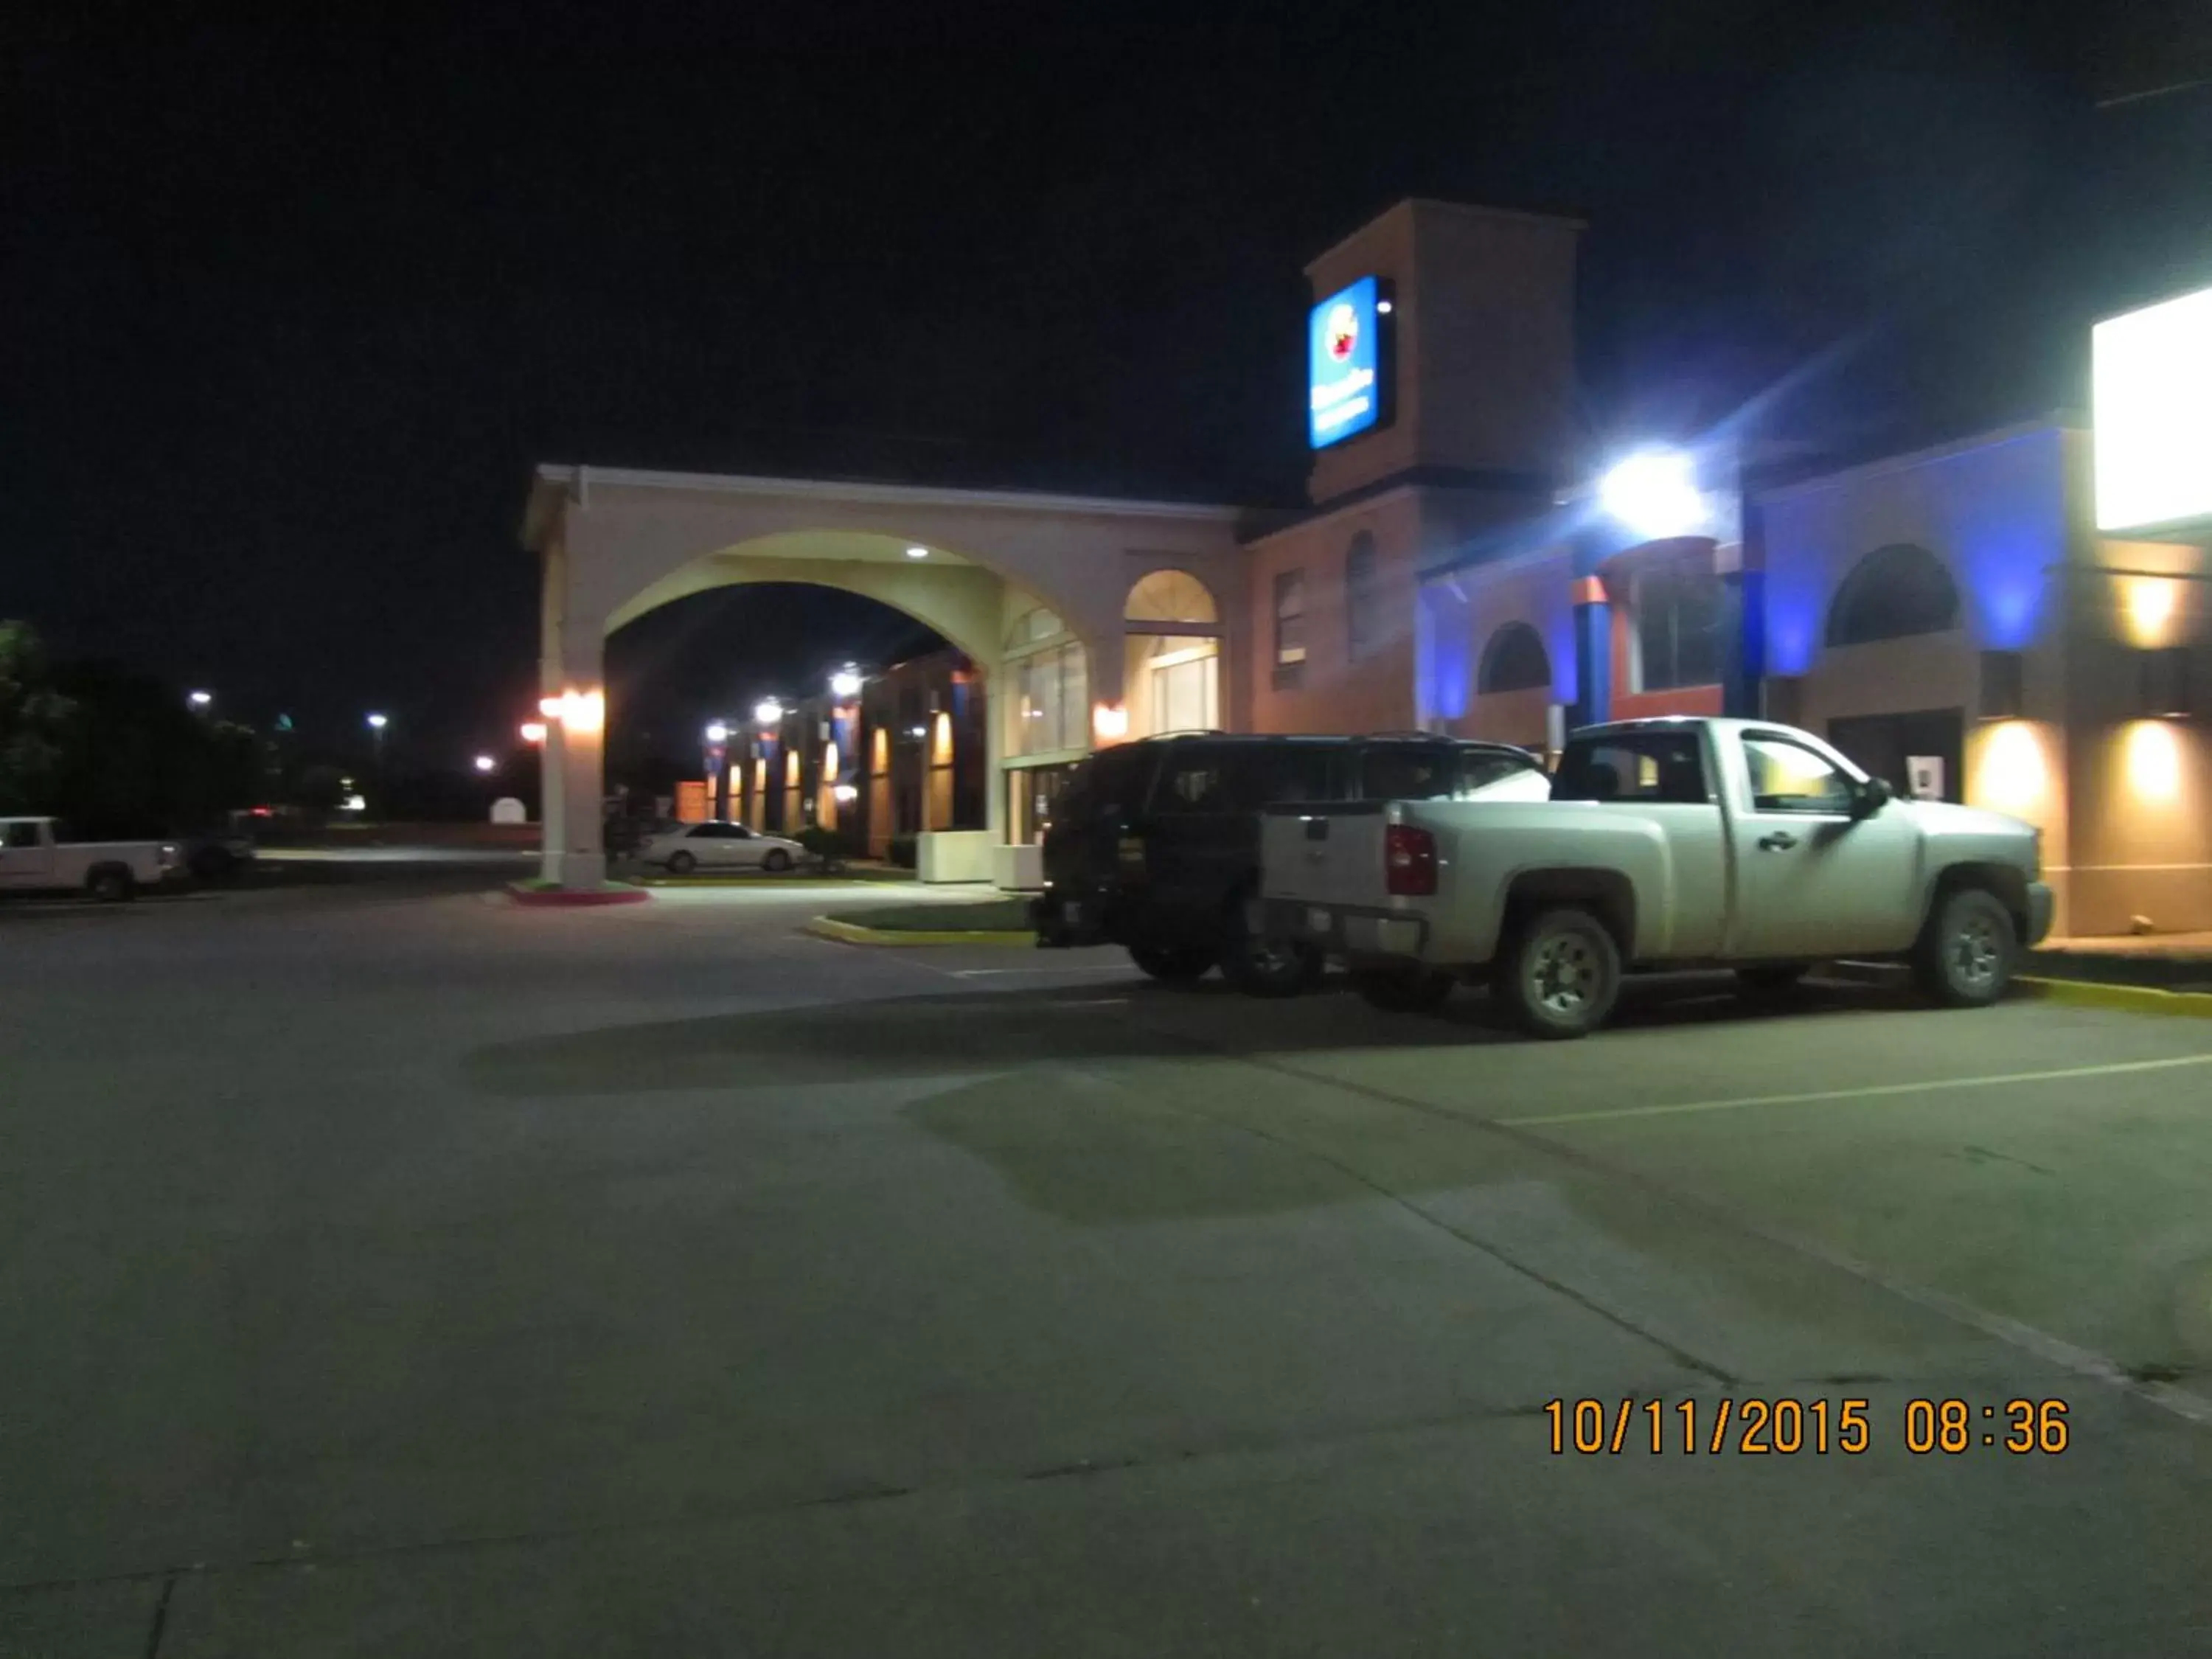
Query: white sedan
x,y
718,846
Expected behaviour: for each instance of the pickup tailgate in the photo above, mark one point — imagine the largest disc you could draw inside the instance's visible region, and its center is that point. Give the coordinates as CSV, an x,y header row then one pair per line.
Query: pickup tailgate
x,y
1325,853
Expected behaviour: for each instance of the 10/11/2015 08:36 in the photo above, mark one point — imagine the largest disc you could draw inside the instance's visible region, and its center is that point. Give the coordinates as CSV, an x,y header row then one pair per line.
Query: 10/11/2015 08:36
x,y
1761,1427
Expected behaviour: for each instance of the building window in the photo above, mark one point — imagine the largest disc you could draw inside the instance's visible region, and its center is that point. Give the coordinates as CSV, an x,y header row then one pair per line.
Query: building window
x,y
1678,627
1362,600
1513,660
1892,593
1170,596
1181,697
1034,627
1290,628
1048,701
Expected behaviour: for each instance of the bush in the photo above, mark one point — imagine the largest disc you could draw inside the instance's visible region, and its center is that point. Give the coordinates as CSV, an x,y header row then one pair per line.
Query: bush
x,y
901,851
822,843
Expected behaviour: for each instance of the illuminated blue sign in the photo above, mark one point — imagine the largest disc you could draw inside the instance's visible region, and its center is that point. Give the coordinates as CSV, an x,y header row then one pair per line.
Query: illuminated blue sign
x,y
1345,363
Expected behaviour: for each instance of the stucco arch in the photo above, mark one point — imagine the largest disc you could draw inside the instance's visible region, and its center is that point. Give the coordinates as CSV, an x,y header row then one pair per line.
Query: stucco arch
x,y
615,544
964,602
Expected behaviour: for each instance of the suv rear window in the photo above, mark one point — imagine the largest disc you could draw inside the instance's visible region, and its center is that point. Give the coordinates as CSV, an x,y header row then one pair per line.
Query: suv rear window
x,y
1241,777
1111,781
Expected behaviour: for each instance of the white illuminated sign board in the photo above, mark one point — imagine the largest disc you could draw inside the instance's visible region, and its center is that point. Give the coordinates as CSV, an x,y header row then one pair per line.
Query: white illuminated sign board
x,y
2151,379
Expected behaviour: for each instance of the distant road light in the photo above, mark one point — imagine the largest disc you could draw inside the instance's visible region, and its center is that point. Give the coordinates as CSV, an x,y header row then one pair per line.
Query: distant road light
x,y
769,712
845,685
377,722
718,732
486,763
534,731
917,552
199,699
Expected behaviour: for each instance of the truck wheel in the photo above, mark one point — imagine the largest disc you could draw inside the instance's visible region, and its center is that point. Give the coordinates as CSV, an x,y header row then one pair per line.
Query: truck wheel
x,y
1560,975
1966,954
1174,964
1402,990
110,886
682,864
1771,979
1262,966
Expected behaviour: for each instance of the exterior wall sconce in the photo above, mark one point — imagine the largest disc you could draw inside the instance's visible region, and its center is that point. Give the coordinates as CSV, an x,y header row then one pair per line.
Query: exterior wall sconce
x,y
576,711
1109,722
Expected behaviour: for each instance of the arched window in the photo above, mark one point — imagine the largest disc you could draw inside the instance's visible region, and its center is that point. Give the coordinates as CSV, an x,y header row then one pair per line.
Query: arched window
x,y
1513,659
1171,596
1893,592
1034,628
1363,600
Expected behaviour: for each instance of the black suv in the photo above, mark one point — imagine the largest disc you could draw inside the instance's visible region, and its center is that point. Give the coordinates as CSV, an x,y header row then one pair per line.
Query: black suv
x,y
1155,843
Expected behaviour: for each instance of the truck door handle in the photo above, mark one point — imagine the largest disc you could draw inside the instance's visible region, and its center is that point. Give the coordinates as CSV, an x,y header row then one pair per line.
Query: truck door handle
x,y
1780,841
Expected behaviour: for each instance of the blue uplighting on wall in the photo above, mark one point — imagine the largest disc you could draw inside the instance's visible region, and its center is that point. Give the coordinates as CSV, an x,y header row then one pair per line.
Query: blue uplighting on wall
x,y
1995,514
1559,641
1446,658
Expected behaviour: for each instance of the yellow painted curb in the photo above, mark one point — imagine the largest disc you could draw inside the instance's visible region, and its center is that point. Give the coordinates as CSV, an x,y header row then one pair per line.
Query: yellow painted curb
x,y
2130,999
849,932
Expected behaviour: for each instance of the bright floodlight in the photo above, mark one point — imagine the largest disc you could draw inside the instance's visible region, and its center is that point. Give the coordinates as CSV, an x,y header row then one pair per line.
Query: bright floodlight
x,y
2148,371
845,684
917,552
1655,494
769,712
718,732
485,763
377,722
199,699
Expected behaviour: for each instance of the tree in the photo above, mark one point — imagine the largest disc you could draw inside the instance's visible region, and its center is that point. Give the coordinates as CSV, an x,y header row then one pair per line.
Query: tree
x,y
35,723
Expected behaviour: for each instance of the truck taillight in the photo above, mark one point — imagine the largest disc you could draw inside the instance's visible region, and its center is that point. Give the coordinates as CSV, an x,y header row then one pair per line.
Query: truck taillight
x,y
1409,861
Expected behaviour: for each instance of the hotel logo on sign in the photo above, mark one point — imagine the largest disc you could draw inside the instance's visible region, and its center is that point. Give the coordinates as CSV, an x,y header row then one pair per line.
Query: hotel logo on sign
x,y
1344,364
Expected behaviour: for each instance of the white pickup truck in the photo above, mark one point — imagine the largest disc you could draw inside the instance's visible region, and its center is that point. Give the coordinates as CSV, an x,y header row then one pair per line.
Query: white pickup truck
x,y
1665,844
36,857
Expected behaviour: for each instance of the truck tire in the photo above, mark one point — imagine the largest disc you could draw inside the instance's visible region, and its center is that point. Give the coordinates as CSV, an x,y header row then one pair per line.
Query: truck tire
x,y
1967,950
1560,975
1173,965
682,864
1262,966
1402,990
111,884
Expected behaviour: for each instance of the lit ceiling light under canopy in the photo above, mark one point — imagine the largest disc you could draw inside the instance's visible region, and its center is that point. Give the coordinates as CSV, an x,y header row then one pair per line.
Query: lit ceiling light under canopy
x,y
1655,494
917,552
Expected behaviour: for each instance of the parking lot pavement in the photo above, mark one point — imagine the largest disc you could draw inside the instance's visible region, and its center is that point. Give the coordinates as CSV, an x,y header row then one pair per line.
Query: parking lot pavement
x,y
421,1276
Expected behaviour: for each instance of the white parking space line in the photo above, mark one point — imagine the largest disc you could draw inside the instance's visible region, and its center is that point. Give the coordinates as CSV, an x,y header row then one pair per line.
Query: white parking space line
x,y
1876,1091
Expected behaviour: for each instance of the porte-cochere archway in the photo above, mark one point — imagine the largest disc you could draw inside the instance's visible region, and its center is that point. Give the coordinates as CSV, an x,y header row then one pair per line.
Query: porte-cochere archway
x,y
968,563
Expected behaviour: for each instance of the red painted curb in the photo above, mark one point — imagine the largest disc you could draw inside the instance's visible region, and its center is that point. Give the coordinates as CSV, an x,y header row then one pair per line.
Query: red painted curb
x,y
573,897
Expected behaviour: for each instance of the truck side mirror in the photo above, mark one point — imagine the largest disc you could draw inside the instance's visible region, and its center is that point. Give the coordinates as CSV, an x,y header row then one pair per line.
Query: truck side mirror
x,y
1870,798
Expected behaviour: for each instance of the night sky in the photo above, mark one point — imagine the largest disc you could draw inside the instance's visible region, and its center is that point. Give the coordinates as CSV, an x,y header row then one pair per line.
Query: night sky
x,y
292,297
